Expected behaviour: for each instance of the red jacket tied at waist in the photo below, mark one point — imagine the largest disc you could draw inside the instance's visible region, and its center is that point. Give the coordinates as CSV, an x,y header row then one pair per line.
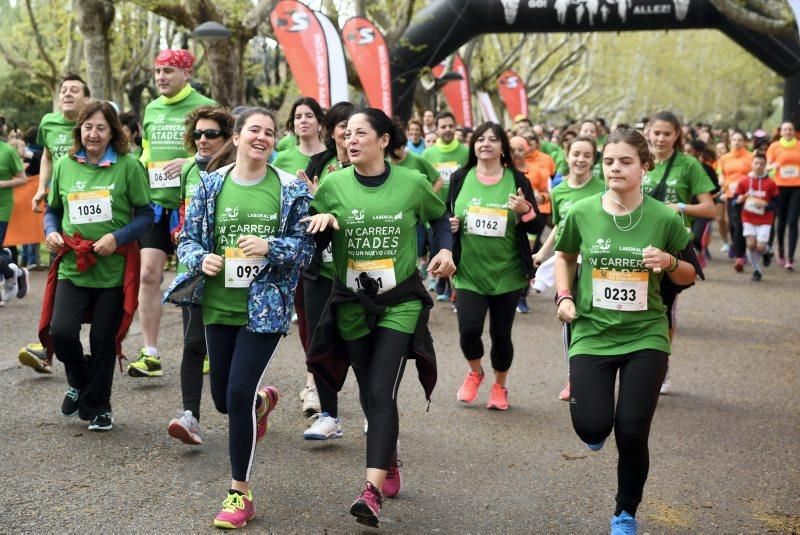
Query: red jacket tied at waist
x,y
85,260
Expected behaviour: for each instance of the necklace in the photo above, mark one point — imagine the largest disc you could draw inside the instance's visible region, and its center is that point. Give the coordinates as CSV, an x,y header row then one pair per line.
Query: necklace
x,y
630,225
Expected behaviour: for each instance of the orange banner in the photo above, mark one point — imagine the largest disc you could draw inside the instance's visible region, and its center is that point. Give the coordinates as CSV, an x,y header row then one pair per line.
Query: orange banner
x,y
25,226
514,93
368,50
457,93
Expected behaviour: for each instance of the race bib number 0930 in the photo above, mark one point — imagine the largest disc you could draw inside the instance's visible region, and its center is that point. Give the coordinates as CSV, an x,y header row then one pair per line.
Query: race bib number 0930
x,y
240,269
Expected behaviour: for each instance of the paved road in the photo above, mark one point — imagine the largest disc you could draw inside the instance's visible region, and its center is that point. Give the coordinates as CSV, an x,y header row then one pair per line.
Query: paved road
x,y
725,447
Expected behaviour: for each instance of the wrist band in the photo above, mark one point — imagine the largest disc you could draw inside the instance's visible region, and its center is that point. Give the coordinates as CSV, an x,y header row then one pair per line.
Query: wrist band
x,y
673,264
682,207
560,294
564,298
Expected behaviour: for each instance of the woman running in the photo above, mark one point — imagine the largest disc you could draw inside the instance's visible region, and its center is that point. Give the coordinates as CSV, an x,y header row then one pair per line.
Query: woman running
x,y
12,174
98,207
305,121
628,242
784,157
208,128
494,210
244,246
379,306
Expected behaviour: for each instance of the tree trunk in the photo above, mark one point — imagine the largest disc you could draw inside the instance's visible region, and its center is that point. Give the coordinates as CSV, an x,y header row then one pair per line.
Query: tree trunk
x,y
94,19
224,59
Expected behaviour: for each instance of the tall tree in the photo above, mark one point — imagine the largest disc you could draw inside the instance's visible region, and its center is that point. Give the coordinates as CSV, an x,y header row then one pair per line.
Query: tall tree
x,y
94,18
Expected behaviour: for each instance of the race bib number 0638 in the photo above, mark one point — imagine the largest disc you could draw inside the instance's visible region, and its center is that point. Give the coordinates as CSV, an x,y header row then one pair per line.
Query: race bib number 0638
x,y
159,179
625,291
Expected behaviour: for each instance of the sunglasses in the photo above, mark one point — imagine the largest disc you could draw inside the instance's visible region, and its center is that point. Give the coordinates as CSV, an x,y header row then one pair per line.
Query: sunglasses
x,y
210,134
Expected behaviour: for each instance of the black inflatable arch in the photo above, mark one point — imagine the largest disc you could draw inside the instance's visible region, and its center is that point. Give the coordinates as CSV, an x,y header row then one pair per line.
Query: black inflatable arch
x,y
445,25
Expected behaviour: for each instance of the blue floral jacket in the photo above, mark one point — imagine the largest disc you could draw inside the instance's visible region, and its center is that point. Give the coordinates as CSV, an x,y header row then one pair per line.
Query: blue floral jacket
x,y
271,295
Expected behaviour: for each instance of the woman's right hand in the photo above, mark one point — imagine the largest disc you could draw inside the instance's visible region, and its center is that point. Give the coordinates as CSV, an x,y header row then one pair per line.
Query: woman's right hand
x,y
566,311
319,222
212,264
54,242
538,258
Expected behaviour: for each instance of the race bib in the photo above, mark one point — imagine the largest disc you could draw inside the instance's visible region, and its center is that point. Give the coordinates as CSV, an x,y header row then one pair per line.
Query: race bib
x,y
159,179
625,291
380,270
445,170
489,222
327,254
754,205
790,171
240,269
89,206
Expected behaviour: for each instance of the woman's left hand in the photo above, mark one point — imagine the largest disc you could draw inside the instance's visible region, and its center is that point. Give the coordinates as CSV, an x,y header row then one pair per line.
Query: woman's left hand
x,y
442,264
518,204
253,245
106,245
656,259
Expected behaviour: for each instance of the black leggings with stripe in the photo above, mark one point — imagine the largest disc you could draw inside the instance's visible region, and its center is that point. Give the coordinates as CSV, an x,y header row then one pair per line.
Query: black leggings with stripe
x,y
239,359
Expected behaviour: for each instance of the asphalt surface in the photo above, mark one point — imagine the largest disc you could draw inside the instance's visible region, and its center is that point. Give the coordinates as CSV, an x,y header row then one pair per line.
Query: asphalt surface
x,y
725,446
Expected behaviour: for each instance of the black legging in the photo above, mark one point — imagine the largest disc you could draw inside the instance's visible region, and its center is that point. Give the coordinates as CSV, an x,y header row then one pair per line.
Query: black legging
x,y
735,227
593,415
92,376
378,360
699,225
471,310
239,359
315,295
194,353
788,215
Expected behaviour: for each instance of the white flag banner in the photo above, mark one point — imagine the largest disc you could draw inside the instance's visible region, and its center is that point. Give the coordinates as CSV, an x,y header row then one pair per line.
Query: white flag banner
x,y
487,108
795,5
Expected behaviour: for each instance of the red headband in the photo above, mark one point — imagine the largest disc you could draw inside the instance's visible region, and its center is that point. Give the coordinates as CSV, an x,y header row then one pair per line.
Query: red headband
x,y
175,57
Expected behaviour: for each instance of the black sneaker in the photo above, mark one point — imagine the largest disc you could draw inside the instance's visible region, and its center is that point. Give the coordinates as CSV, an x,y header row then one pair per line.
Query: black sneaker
x,y
22,283
756,276
69,407
767,258
102,422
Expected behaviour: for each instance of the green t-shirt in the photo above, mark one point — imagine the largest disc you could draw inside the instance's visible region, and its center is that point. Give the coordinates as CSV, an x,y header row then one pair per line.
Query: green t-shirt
x,y
163,128
241,209
564,196
618,301
190,181
326,265
686,180
418,163
446,159
292,160
554,151
10,166
96,201
286,142
377,235
55,134
490,261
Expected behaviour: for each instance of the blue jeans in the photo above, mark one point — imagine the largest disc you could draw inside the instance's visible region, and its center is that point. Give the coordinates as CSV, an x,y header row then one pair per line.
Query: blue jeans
x,y
30,254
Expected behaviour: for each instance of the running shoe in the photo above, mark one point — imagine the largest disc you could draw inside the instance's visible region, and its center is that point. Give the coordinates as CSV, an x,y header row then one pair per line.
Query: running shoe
x,y
767,257
789,265
624,524
756,277
367,507
781,260
469,388
311,400
237,510
564,394
666,386
498,398
596,447
22,282
724,248
206,365
185,428
269,399
102,422
394,480
432,285
11,286
324,428
442,298
522,306
702,260
366,426
294,318
145,366
69,407
35,356
738,265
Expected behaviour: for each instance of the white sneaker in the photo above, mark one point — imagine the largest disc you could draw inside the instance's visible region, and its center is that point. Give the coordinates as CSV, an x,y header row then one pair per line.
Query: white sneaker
x,y
10,286
324,428
303,393
311,400
185,428
366,426
666,386
294,318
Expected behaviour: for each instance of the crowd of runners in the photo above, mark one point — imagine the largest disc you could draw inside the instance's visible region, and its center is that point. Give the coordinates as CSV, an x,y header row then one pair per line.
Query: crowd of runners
x,y
351,224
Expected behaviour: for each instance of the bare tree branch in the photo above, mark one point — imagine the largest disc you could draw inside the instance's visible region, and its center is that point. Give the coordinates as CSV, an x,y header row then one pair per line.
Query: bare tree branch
x,y
257,16
739,14
40,41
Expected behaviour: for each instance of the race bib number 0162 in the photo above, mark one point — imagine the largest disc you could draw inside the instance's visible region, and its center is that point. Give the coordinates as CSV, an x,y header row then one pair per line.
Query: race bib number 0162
x,y
89,206
382,271
159,179
489,222
625,291
240,269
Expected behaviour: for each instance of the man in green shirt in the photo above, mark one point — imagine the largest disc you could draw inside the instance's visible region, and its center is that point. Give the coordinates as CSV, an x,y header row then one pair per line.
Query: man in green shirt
x,y
163,155
55,131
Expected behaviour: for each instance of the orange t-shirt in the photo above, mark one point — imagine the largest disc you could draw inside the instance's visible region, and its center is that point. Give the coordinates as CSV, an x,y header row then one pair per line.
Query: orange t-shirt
x,y
787,159
540,167
733,166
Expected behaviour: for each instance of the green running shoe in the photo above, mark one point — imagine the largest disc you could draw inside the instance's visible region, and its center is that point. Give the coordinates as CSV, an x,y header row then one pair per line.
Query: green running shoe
x,y
145,366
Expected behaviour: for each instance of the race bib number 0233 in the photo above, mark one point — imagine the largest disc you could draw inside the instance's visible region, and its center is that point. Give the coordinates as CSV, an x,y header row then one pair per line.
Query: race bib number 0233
x,y
625,291
240,269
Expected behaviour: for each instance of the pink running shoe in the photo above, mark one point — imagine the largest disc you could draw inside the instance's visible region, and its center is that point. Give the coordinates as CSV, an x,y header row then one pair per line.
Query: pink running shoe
x,y
394,480
498,399
564,394
367,507
469,388
269,399
237,510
